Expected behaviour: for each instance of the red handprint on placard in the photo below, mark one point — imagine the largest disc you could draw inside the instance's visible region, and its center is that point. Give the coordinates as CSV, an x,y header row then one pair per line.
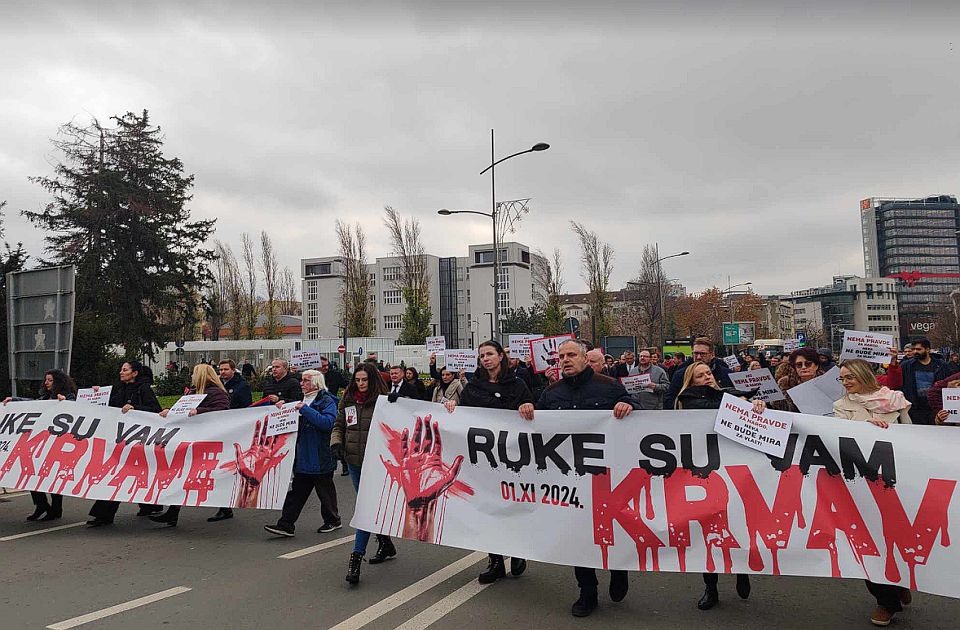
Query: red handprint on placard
x,y
422,475
253,464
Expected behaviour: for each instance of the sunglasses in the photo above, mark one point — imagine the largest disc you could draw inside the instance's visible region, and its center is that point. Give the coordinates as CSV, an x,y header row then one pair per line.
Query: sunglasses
x,y
803,364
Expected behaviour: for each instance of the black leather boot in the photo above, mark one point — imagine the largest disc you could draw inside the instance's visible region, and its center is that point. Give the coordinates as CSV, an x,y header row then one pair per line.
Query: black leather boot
x,y
495,570
711,597
353,568
385,550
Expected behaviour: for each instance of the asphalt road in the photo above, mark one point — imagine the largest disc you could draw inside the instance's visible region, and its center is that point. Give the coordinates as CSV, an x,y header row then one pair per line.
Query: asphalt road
x,y
233,575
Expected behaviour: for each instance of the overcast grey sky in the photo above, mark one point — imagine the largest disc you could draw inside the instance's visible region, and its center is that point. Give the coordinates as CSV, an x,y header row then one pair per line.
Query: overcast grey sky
x,y
745,133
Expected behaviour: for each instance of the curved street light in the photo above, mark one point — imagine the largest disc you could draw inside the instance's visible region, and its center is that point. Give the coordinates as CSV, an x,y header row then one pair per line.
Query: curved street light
x,y
660,288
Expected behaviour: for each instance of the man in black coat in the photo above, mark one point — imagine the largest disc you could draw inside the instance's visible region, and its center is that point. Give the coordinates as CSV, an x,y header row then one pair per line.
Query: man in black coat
x,y
282,385
399,387
236,386
332,376
702,351
580,388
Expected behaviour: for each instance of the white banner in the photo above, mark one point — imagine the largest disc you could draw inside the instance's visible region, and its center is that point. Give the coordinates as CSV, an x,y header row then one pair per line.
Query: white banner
x,y
732,362
816,396
761,380
661,491
436,344
636,383
305,359
869,346
218,459
520,345
767,432
100,396
457,360
789,345
951,402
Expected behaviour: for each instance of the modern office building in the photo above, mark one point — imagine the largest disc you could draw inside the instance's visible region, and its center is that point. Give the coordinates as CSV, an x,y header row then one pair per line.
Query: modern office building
x,y
914,241
461,293
850,303
777,318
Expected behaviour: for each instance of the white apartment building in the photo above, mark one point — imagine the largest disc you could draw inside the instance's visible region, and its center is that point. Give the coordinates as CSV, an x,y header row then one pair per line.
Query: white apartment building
x,y
461,293
850,303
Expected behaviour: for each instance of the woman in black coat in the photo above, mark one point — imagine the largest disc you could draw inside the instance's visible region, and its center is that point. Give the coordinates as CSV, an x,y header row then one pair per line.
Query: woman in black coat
x,y
700,391
131,392
494,386
57,385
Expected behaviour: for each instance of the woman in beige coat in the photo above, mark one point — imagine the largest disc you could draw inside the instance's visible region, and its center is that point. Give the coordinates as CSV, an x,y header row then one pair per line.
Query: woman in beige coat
x,y
867,401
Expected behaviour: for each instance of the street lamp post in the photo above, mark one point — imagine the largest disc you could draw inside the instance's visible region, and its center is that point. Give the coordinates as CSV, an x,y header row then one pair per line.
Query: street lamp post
x,y
495,218
733,307
660,286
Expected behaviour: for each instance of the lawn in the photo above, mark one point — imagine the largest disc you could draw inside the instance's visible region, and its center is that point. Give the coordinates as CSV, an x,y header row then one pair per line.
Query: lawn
x,y
167,401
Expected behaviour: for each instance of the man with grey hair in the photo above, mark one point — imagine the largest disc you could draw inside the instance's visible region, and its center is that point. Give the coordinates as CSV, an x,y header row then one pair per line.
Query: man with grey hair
x,y
281,385
581,388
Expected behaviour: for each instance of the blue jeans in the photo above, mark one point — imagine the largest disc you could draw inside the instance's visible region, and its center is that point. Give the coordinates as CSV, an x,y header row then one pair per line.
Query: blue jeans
x,y
360,542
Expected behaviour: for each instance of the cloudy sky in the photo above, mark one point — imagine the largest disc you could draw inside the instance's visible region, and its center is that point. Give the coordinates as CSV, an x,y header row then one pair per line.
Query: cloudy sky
x,y
745,133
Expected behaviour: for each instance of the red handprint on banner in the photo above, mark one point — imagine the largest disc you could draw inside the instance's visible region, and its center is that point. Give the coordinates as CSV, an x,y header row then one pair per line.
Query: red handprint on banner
x,y
253,464
422,475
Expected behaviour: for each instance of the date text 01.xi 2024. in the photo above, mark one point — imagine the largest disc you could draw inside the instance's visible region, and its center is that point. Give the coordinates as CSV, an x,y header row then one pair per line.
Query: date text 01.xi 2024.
x,y
562,496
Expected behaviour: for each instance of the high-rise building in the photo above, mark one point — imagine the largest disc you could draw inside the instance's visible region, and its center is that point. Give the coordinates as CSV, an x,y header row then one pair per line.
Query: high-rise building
x,y
916,242
461,293
850,303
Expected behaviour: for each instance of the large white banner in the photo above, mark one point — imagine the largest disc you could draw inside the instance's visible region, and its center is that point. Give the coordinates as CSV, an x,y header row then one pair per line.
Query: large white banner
x,y
660,491
219,459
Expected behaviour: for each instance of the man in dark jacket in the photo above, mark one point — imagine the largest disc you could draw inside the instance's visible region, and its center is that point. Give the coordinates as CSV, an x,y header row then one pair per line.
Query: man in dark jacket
x,y
333,377
628,367
918,377
826,359
702,351
399,387
236,386
580,388
282,385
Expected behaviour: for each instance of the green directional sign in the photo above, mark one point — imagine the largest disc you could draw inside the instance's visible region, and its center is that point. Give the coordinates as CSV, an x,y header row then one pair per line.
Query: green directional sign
x,y
731,334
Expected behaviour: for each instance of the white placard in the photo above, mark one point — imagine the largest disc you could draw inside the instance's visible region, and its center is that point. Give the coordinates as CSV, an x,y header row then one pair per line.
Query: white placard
x,y
436,344
283,420
761,380
544,352
351,415
732,362
187,402
457,360
789,345
305,359
99,397
951,402
767,432
816,397
520,345
869,346
636,383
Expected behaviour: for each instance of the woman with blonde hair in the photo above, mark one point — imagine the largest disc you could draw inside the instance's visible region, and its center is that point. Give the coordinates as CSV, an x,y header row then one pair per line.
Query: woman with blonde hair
x,y
867,401
205,380
700,391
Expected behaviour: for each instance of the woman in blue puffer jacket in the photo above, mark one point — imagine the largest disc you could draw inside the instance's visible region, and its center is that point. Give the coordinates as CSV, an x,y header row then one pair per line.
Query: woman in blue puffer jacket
x,y
314,464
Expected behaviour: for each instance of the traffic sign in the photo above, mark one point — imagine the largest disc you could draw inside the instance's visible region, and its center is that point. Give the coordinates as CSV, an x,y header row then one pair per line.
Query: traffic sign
x,y
179,351
179,343
802,338
731,334
360,350
341,349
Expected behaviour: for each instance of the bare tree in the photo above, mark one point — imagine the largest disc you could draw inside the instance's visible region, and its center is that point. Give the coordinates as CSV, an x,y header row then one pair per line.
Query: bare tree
x,y
287,294
247,322
355,309
233,288
548,287
216,293
645,291
596,258
414,281
270,267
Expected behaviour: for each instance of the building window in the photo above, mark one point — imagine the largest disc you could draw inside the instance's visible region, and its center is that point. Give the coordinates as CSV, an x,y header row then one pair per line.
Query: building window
x,y
391,274
503,301
322,269
392,322
311,289
525,257
373,279
504,278
312,332
392,297
312,310
486,256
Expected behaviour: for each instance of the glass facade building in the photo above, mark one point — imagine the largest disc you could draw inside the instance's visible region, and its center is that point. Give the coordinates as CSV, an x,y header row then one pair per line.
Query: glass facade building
x,y
916,242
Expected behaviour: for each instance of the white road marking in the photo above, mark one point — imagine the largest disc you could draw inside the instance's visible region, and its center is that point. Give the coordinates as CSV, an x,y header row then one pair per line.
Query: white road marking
x,y
446,605
37,532
13,495
401,597
308,550
119,608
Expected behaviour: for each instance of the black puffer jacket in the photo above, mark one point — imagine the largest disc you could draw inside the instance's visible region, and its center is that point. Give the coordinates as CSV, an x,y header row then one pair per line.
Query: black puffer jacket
x,y
138,393
286,389
586,390
507,393
706,397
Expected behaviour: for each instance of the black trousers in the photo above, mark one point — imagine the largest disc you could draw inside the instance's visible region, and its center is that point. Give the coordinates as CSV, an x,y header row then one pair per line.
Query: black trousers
x,y
888,595
300,489
587,579
107,510
55,504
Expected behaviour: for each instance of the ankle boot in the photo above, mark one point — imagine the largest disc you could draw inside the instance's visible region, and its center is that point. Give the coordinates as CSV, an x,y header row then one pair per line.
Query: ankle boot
x,y
495,570
353,568
385,550
743,585
711,597
37,513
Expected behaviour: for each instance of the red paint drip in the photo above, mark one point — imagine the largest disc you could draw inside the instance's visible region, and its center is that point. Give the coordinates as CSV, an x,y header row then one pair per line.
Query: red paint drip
x,y
710,513
835,510
620,504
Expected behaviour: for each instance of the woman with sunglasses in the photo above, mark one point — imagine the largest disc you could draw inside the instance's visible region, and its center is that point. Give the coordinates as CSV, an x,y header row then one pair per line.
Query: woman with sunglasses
x,y
867,401
804,365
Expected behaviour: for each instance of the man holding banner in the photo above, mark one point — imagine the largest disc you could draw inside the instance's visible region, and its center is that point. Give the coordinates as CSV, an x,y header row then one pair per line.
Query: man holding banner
x,y
580,388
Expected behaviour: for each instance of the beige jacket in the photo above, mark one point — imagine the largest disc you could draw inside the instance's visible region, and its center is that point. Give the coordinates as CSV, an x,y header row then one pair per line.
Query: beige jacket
x,y
852,410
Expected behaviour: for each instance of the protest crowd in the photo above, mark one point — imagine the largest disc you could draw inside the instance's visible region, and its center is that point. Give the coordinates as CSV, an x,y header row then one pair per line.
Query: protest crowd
x,y
336,412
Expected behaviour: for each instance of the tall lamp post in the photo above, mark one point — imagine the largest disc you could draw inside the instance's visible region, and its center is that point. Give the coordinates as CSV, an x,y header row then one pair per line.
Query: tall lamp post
x,y
660,286
495,216
733,308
